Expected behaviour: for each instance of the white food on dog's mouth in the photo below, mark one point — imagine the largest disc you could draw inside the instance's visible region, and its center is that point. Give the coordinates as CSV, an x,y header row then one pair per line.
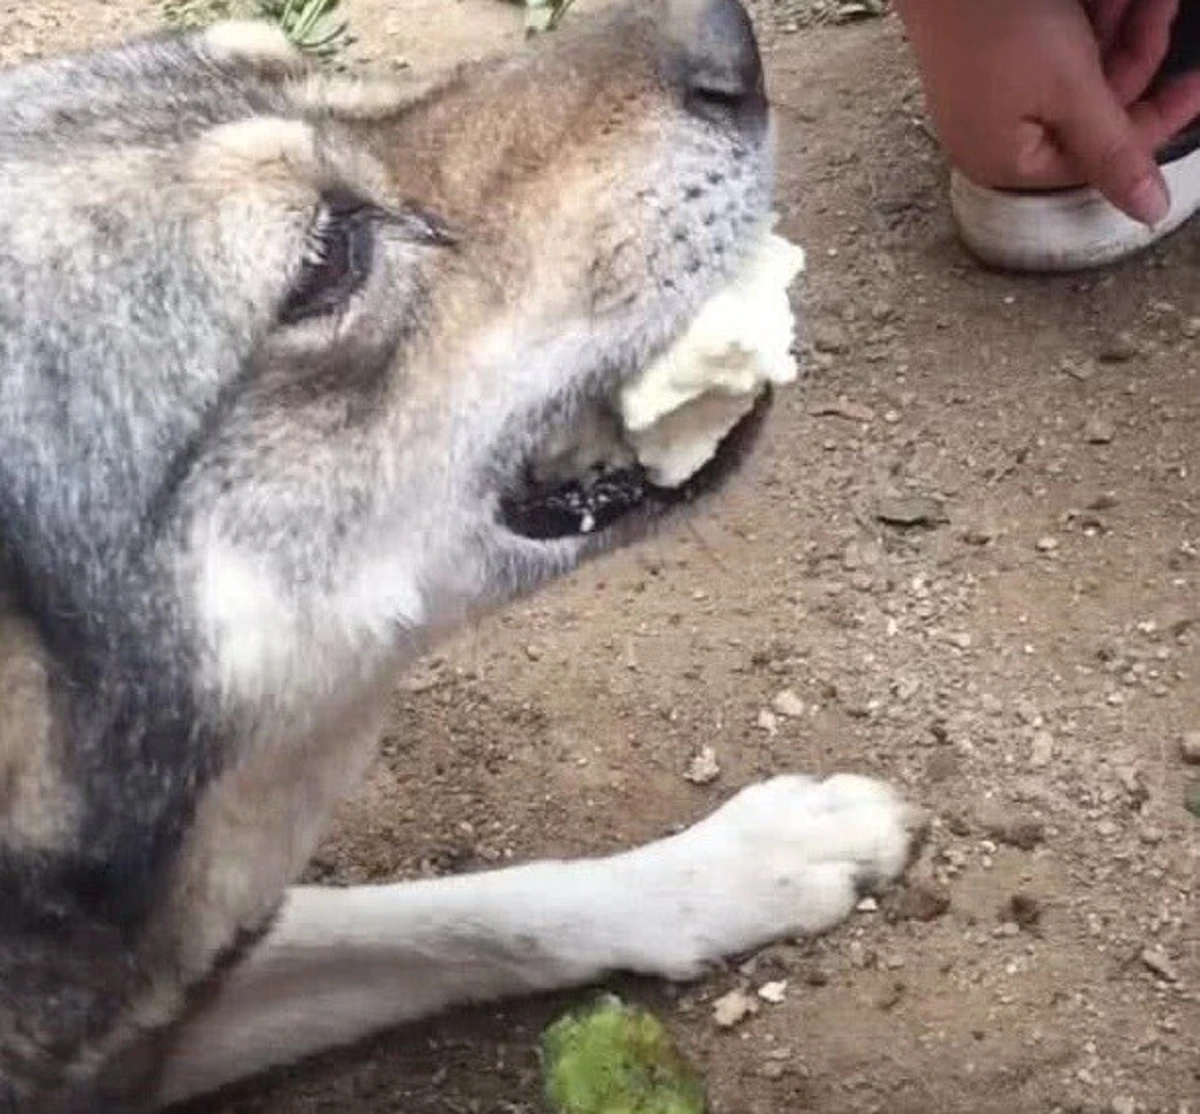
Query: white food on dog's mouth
x,y
677,411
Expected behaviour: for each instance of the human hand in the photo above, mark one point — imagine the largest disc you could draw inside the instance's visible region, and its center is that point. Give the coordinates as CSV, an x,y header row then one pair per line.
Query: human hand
x,y
1042,94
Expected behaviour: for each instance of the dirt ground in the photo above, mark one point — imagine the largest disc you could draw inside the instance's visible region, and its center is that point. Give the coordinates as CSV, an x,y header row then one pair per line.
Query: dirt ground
x,y
1023,655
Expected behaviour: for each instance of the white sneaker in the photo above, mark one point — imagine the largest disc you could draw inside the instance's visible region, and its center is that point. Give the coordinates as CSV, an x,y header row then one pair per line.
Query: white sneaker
x,y
1068,230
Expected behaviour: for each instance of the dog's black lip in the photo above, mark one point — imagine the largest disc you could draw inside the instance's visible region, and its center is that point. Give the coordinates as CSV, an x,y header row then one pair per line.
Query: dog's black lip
x,y
564,512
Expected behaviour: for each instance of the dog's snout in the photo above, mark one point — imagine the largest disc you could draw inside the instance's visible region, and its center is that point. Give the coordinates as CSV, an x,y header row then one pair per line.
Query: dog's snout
x,y
722,69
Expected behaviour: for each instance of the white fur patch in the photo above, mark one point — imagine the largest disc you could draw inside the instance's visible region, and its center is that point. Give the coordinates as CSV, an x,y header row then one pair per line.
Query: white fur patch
x,y
254,40
268,642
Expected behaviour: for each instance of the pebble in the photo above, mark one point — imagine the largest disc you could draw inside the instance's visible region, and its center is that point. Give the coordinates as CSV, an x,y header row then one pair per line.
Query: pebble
x,y
1023,910
814,975
703,769
788,704
920,901
889,997
829,338
1042,750
980,534
1022,832
1080,370
1099,431
733,1008
767,721
773,993
1046,544
1118,349
843,408
1189,747
1155,961
911,510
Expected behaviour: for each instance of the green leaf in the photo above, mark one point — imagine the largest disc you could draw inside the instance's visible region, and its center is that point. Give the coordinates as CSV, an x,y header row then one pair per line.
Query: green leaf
x,y
309,24
617,1059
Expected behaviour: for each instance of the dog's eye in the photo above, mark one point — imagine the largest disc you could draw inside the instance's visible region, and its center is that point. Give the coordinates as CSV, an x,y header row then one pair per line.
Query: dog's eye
x,y
337,259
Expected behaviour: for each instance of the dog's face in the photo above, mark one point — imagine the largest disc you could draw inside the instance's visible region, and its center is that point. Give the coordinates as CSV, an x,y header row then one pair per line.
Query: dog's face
x,y
310,361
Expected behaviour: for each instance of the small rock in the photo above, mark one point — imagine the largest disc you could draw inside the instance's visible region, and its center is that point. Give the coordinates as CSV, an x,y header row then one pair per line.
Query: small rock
x,y
959,639
1080,370
533,653
1046,544
920,901
774,1069
773,993
1155,961
733,1008
844,408
957,823
1099,431
829,338
1189,747
767,721
980,534
1022,832
1024,910
911,510
868,905
812,975
859,956
788,704
890,995
1133,781
703,769
1118,349
1042,750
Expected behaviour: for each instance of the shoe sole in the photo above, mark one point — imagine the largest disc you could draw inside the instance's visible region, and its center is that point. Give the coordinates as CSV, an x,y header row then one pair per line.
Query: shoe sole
x,y
1066,230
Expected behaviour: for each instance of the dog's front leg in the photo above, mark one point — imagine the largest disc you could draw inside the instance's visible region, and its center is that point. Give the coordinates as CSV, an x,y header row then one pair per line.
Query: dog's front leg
x,y
786,857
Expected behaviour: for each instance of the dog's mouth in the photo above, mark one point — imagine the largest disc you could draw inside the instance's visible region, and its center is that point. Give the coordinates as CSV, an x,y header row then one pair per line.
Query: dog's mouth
x,y
672,431
586,479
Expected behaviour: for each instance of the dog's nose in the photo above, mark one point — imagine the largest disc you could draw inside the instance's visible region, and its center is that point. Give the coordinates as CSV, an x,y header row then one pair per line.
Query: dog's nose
x,y
722,69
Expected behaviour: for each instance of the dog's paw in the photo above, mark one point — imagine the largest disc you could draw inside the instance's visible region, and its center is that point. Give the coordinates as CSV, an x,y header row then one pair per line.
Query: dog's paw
x,y
787,857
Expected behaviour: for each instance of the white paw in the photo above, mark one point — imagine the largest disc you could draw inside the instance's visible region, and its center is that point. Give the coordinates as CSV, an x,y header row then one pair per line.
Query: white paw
x,y
787,857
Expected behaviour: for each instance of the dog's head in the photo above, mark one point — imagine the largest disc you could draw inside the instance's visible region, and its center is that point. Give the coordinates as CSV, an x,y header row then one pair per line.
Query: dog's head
x,y
299,366
293,373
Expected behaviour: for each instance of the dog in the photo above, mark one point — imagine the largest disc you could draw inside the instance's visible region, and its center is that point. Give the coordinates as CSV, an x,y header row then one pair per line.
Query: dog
x,y
287,365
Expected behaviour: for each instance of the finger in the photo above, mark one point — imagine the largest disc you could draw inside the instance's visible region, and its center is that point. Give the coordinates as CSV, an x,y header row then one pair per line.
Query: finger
x,y
1164,114
1107,17
1045,160
1135,56
1098,136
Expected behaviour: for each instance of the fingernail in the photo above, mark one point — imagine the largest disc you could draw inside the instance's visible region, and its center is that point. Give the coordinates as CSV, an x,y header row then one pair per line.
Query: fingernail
x,y
1150,202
